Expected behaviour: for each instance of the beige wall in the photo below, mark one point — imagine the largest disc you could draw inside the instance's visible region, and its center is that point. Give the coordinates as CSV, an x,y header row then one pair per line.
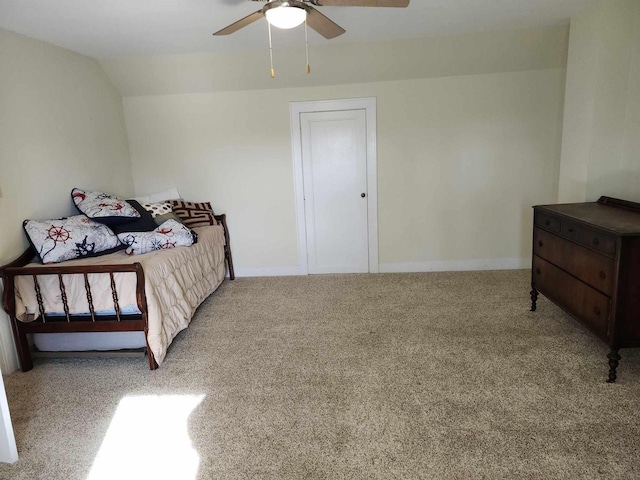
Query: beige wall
x,y
469,131
601,146
61,126
460,162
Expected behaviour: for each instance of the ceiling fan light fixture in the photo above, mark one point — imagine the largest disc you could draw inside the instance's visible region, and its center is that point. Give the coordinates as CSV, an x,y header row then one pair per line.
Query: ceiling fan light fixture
x,y
286,16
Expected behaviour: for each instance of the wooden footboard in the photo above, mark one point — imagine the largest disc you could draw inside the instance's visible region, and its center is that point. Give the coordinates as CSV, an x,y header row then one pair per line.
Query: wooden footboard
x,y
44,323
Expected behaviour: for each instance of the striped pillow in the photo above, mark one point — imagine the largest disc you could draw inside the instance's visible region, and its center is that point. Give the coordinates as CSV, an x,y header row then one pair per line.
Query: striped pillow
x,y
194,214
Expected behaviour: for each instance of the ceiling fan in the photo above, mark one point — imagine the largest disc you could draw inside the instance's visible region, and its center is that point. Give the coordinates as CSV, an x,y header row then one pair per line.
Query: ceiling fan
x,y
291,13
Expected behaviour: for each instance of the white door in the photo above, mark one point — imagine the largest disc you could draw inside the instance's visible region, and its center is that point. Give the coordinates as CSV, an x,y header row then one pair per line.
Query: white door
x,y
334,167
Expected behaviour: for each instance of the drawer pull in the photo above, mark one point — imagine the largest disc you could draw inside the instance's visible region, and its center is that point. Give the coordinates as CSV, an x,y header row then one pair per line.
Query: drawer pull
x,y
603,275
596,310
596,241
541,243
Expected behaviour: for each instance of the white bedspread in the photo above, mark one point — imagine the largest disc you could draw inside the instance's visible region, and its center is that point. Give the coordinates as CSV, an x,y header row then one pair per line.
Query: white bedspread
x,y
177,281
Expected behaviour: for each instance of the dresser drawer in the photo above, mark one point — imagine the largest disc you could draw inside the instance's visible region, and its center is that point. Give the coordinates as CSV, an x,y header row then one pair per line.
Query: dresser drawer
x,y
576,232
548,222
589,266
588,237
588,305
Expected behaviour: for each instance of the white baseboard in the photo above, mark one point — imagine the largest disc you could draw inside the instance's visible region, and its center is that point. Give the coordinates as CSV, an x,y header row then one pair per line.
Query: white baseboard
x,y
457,265
435,266
267,271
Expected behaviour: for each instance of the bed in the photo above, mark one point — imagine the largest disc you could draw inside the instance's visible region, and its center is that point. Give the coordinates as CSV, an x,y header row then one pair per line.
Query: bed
x,y
113,300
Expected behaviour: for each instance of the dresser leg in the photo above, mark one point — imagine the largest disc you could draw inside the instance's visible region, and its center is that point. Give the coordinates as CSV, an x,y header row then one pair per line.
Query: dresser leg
x,y
614,361
534,299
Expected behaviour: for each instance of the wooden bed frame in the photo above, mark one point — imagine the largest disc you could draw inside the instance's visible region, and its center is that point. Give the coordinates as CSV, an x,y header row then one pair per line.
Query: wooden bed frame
x,y
45,323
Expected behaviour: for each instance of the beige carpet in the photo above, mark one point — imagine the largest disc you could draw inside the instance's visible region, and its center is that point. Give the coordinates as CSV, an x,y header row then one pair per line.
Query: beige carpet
x,y
443,376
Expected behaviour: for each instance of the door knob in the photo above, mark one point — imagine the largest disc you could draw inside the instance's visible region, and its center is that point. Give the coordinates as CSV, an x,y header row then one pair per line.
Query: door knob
x,y
363,195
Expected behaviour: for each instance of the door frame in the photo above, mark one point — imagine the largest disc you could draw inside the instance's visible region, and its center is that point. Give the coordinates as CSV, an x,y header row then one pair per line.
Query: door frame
x,y
369,106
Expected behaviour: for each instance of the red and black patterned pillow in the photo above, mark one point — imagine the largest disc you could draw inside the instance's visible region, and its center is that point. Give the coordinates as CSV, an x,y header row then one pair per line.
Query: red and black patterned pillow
x,y
104,207
170,234
72,237
194,214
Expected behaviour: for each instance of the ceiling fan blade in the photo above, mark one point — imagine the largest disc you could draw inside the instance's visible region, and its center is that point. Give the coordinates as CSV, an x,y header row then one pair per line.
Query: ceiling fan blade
x,y
243,22
323,25
364,3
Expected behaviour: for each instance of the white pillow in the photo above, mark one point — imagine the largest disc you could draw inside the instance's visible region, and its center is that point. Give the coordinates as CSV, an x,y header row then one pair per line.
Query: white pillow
x,y
169,194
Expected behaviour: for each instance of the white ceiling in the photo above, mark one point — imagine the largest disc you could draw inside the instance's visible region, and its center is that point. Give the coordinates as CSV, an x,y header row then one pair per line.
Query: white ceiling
x,y
121,28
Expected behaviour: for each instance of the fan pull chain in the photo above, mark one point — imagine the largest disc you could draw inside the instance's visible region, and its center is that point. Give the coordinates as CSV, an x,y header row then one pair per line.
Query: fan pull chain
x,y
273,72
306,41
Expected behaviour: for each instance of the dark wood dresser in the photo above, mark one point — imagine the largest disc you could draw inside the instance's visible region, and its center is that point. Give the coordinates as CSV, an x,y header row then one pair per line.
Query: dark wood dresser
x,y
586,260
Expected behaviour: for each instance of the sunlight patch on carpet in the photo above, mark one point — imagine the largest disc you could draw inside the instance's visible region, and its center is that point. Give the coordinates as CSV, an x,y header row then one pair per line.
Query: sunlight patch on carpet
x,y
149,438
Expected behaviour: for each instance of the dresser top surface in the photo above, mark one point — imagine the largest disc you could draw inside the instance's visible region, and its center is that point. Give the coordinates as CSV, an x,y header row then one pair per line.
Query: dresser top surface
x,y
621,221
